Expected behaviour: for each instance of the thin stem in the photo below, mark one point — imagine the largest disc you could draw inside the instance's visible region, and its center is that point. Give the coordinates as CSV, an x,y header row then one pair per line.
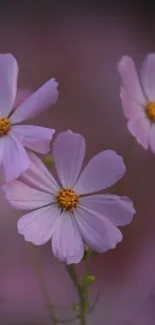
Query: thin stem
x,y
81,292
39,271
83,315
82,287
86,273
73,275
83,305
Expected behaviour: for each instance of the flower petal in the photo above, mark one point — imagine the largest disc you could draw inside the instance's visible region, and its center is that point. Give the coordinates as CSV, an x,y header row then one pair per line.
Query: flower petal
x,y
68,154
130,79
15,158
152,138
1,150
39,101
24,197
119,210
97,231
36,138
21,96
8,82
140,129
67,243
148,76
132,110
38,226
38,176
102,171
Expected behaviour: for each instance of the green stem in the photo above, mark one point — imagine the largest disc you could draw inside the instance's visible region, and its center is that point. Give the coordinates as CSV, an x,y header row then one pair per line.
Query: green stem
x,y
38,267
85,278
80,287
83,305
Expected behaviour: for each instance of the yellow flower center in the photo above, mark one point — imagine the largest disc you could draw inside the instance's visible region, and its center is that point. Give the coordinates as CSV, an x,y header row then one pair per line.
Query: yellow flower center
x,y
67,199
150,111
5,125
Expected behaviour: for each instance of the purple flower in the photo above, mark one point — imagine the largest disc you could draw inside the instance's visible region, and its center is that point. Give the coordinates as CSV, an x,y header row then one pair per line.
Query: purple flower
x,y
69,214
138,99
14,138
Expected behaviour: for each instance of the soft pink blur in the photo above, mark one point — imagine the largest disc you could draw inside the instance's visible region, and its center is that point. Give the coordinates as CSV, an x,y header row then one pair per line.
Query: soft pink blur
x,y
81,51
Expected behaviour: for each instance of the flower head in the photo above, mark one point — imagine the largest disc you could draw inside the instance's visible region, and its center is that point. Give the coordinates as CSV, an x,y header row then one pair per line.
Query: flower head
x,y
68,213
138,99
14,138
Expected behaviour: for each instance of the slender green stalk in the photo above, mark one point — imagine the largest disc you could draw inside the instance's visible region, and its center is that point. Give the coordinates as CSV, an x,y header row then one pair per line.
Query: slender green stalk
x,y
85,278
82,287
80,290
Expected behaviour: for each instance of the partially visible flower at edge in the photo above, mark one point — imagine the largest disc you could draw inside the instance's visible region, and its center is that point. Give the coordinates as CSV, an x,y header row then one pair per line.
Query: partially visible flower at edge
x,y
14,138
138,99
69,214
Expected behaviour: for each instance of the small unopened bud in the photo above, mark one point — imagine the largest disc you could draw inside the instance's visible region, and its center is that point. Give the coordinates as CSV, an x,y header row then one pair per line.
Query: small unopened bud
x,y
90,279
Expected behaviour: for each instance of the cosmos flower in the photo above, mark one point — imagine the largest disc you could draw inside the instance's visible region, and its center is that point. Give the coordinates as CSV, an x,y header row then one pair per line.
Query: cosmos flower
x,y
138,99
14,138
67,212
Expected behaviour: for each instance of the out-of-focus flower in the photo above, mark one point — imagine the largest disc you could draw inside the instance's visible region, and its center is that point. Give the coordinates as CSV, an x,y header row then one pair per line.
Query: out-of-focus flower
x,y
14,138
138,99
69,214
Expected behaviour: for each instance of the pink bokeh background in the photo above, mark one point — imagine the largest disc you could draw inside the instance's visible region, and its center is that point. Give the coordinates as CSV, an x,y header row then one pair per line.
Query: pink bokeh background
x,y
81,49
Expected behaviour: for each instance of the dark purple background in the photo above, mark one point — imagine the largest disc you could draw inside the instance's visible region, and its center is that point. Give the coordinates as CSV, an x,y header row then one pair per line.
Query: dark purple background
x,y
81,46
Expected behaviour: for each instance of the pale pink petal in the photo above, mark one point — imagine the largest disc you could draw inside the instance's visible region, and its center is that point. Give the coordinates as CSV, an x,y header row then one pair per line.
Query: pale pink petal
x,y
36,138
38,176
38,102
15,158
152,138
130,79
119,210
68,154
148,76
24,197
97,231
102,171
38,226
21,96
132,110
140,129
8,82
67,243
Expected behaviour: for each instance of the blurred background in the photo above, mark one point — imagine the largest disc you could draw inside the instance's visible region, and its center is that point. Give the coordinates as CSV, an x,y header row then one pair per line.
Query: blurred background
x,y
80,44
